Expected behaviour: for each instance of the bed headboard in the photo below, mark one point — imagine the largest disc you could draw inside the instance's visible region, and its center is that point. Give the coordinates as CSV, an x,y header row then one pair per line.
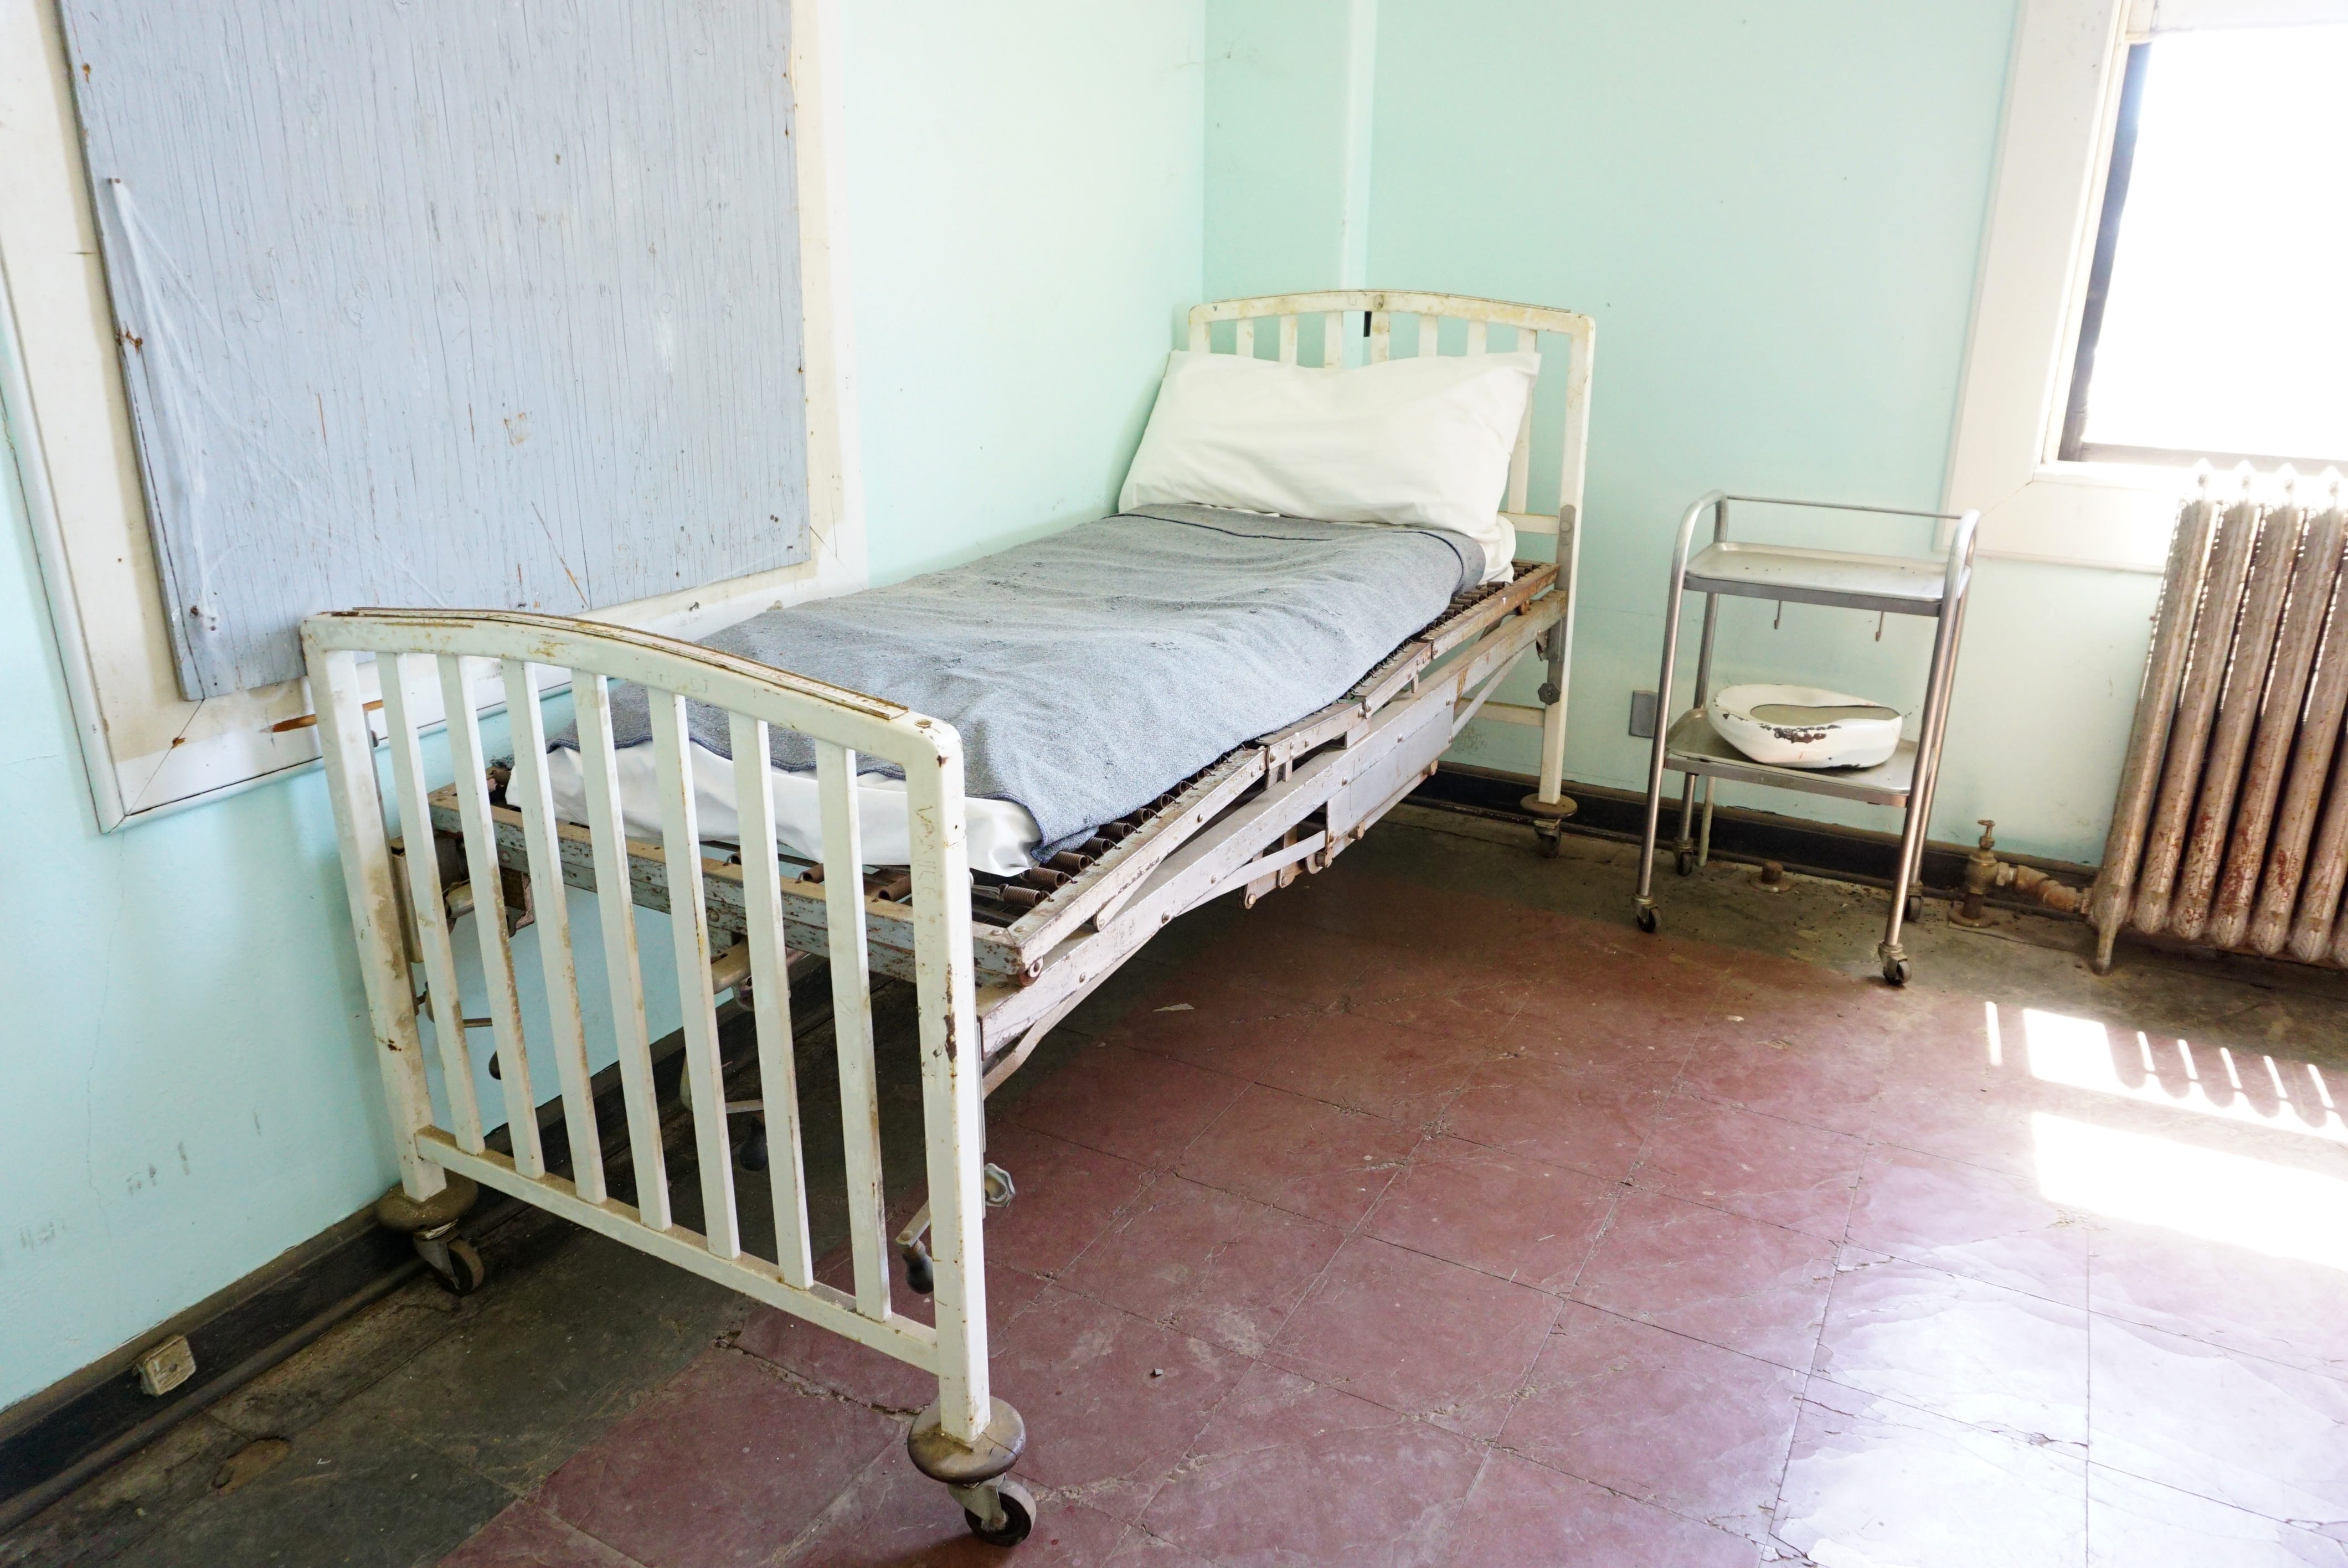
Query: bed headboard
x,y
1340,312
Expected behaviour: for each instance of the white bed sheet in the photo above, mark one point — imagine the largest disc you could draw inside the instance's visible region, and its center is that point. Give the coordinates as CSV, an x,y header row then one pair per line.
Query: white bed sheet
x,y
1000,833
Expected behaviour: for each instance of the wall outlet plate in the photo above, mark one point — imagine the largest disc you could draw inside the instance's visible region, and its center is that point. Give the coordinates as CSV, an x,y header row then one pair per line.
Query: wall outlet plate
x,y
1642,715
165,1367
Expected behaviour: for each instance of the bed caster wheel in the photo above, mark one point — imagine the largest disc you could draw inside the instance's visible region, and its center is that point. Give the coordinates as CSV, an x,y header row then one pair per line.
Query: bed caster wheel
x,y
1684,863
1010,1512
1895,969
921,1273
753,1151
977,1473
1550,840
453,1260
1649,921
1915,910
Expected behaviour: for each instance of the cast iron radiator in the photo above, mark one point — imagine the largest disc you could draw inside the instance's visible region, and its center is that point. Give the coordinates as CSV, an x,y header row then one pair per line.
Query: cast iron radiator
x,y
2230,829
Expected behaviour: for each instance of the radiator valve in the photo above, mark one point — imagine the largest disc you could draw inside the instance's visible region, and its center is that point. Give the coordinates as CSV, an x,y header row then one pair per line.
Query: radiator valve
x,y
1984,871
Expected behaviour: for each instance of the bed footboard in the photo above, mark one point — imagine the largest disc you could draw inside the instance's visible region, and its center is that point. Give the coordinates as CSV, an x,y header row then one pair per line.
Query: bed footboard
x,y
407,912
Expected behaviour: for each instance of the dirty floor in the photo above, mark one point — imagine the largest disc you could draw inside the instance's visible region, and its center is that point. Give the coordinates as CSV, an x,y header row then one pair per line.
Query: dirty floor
x,y
1428,1214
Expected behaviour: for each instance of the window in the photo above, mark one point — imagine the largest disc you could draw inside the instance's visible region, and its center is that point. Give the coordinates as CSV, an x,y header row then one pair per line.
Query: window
x,y
2215,324
2155,283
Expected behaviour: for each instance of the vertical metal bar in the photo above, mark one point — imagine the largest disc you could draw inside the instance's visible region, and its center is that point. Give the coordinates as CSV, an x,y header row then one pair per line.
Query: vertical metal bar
x,y
1333,339
1430,336
1520,457
952,1094
2156,707
1572,450
1246,349
530,790
770,996
2255,819
375,907
1199,328
2290,866
852,1022
1957,585
483,871
615,914
1288,340
2197,706
397,674
1381,337
688,918
2238,711
1479,332
1560,656
1664,701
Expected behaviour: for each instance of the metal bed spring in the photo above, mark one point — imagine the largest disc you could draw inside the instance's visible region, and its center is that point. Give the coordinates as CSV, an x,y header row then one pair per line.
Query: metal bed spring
x,y
994,963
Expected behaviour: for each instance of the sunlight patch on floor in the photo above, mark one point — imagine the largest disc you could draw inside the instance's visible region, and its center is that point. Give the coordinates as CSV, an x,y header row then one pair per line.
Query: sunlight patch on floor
x,y
2212,1081
2278,1210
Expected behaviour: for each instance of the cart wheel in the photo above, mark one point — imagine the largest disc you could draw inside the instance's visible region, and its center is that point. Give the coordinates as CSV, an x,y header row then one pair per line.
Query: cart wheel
x,y
1649,920
1896,971
465,1271
921,1275
1018,1515
1915,908
1684,863
753,1151
1549,843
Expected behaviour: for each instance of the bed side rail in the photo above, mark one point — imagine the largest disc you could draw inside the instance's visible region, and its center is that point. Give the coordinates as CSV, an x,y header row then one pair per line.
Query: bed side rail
x,y
431,663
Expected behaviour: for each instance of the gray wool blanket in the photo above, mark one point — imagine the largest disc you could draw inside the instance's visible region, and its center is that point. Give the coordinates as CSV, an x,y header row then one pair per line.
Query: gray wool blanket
x,y
1090,671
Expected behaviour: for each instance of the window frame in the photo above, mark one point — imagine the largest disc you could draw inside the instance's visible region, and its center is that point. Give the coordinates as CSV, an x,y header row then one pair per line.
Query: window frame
x,y
147,750
2065,91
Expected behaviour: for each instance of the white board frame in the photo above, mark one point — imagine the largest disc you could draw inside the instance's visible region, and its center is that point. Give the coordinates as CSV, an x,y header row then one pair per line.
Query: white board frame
x,y
147,751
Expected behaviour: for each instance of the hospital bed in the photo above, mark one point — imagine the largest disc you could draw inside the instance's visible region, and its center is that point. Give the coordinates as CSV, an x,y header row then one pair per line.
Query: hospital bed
x,y
995,959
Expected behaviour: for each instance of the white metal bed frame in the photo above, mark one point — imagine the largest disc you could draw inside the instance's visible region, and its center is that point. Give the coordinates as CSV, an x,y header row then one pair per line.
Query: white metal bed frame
x,y
988,983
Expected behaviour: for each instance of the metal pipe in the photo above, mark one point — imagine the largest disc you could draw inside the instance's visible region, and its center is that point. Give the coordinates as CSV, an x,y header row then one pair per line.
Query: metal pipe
x,y
1645,902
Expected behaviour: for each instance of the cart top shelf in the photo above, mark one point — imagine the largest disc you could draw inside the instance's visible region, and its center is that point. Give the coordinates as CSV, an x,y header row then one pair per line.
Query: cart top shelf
x,y
1901,585
1694,747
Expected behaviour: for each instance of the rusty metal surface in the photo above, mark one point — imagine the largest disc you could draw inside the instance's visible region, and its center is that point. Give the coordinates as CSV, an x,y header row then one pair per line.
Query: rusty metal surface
x,y
2180,597
2197,709
2238,713
2247,850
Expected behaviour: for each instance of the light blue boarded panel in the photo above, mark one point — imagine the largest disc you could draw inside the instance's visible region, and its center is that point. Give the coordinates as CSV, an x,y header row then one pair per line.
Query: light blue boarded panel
x,y
453,303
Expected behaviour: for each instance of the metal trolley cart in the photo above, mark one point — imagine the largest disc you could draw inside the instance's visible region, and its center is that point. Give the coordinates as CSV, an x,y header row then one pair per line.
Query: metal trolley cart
x,y
1887,585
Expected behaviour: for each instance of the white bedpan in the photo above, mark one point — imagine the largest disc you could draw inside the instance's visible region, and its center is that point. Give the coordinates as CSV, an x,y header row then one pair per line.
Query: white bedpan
x,y
1804,727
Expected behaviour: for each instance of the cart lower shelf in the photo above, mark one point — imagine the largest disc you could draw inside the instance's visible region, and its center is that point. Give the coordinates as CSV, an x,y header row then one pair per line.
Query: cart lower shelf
x,y
1695,747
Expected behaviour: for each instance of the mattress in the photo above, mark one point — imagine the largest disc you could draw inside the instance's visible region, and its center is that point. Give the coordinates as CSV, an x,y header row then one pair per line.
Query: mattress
x,y
1001,834
1089,672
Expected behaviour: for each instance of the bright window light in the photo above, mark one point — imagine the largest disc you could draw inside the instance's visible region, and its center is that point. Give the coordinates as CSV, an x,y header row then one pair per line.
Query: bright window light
x,y
2224,328
2278,1210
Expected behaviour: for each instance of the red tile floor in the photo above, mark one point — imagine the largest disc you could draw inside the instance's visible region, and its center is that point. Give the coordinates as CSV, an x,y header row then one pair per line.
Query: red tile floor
x,y
1403,1227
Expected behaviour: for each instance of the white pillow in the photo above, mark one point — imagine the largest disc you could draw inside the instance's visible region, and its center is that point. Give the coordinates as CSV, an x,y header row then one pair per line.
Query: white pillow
x,y
1423,442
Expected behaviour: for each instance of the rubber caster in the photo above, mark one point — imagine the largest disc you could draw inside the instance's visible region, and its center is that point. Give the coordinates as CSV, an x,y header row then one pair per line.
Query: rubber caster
x,y
921,1273
1896,971
1649,921
454,1262
1549,844
1684,863
1915,908
1011,1518
753,1151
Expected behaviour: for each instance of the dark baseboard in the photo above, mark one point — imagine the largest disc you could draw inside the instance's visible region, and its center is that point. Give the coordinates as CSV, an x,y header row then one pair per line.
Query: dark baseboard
x,y
1738,834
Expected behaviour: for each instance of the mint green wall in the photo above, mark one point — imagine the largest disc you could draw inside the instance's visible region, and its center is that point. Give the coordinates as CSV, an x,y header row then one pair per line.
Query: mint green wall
x,y
1026,191
185,1083
1774,211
